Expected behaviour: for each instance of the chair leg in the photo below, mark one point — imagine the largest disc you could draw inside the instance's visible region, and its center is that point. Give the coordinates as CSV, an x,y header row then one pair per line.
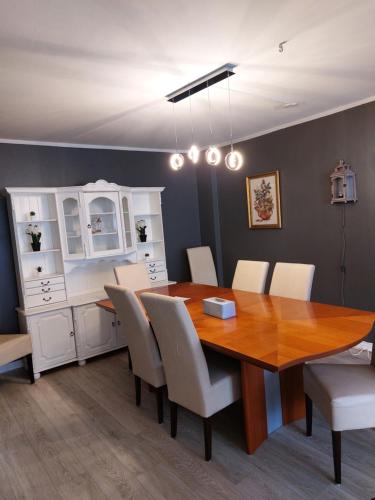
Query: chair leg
x,y
30,368
130,364
309,414
207,429
173,409
159,403
336,447
137,381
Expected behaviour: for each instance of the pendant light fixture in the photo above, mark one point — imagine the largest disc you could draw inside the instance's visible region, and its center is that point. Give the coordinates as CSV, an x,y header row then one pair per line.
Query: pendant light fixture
x,y
213,154
176,160
193,153
234,159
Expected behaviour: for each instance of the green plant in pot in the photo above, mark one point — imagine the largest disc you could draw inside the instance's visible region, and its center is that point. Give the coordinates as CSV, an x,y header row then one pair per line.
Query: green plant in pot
x,y
34,232
141,230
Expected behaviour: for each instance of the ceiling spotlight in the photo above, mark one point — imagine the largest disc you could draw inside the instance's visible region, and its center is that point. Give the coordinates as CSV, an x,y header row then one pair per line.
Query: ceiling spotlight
x,y
213,156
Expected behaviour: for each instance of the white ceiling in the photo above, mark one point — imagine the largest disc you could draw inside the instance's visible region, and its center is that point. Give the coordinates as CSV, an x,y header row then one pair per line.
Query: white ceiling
x,y
96,71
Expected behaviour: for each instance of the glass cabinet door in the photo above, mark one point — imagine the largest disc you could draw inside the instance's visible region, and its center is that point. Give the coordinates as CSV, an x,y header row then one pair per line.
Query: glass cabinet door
x,y
70,215
103,224
128,221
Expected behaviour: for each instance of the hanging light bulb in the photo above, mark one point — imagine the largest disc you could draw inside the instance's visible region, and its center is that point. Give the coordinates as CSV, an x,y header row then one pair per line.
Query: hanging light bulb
x,y
176,160
193,153
213,154
234,159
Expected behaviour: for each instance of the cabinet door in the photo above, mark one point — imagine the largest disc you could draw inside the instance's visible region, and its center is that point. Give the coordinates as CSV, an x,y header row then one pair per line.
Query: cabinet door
x,y
52,337
95,330
126,205
70,218
103,221
121,337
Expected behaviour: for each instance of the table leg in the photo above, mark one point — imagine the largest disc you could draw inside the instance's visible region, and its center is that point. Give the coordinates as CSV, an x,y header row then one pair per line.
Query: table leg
x,y
254,406
292,394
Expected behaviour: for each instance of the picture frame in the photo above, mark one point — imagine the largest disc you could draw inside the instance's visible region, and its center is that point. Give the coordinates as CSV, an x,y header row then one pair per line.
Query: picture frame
x,y
263,200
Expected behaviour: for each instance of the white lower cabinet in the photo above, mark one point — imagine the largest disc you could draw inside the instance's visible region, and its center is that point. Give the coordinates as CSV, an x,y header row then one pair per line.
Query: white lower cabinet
x,y
95,330
52,335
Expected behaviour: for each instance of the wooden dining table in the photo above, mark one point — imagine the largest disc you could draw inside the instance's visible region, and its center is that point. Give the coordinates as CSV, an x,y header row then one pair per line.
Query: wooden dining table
x,y
270,333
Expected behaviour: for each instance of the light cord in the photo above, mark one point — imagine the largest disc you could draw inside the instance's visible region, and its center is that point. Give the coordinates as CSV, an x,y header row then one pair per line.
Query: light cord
x,y
209,111
230,115
191,120
175,127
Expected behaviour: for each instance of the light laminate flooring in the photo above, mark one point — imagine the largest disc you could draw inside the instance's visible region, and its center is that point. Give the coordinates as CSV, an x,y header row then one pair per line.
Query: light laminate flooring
x,y
77,434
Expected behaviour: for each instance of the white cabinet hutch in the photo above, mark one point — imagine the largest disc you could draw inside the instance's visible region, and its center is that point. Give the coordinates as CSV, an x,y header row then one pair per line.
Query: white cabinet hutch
x,y
85,232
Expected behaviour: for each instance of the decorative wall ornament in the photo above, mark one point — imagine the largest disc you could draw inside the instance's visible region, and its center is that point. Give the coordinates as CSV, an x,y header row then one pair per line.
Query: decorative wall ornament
x,y
263,201
343,184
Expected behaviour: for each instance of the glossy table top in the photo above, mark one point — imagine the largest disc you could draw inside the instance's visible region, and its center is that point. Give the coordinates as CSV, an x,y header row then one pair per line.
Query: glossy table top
x,y
271,332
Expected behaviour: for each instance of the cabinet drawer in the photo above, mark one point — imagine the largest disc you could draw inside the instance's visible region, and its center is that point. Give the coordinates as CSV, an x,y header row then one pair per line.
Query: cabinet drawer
x,y
156,266
160,276
45,298
44,289
44,282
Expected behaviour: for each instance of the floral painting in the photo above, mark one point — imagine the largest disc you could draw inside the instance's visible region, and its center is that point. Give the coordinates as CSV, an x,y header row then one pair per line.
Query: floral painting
x,y
263,201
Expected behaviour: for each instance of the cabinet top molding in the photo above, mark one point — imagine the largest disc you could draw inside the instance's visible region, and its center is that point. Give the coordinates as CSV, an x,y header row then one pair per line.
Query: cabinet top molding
x,y
100,185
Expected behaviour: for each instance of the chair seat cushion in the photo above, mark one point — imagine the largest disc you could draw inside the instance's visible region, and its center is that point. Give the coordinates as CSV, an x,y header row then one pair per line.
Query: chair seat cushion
x,y
345,394
14,347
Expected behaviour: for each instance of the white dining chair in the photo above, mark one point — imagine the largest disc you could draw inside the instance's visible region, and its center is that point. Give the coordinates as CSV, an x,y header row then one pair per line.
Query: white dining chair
x,y
142,345
293,281
345,395
250,276
202,267
134,276
204,384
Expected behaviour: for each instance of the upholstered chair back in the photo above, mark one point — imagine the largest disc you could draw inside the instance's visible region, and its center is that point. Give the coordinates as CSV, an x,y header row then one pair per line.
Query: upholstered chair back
x,y
202,267
184,362
133,276
250,276
142,344
293,281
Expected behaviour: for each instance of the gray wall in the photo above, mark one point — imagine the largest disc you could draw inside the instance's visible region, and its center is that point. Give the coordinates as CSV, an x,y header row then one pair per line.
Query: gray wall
x,y
50,166
305,155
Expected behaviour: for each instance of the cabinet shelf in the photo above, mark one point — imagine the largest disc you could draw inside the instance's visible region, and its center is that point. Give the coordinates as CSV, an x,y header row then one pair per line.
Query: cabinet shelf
x,y
149,214
71,215
104,234
70,236
42,251
36,221
97,214
140,243
44,277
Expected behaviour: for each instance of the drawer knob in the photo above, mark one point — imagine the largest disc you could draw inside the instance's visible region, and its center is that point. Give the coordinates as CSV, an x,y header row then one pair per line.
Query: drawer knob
x,y
47,299
153,278
71,334
45,290
44,283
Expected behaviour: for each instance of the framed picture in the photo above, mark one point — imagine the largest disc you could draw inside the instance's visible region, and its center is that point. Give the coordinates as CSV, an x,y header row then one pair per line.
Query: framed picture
x,y
263,201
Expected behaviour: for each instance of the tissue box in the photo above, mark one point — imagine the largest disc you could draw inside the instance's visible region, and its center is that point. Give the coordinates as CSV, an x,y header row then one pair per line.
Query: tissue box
x,y
221,308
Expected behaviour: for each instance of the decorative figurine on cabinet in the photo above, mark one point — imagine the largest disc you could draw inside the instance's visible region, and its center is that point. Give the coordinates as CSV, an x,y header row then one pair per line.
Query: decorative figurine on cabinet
x,y
343,184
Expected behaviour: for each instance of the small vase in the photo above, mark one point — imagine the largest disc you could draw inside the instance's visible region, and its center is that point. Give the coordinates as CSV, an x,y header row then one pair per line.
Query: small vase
x,y
35,246
143,238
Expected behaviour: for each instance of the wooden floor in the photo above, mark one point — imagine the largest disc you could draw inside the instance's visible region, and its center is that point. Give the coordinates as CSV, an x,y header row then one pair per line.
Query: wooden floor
x,y
77,434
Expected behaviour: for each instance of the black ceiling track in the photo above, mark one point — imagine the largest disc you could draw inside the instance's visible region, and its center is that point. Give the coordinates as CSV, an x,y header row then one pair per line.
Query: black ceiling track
x,y
202,83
